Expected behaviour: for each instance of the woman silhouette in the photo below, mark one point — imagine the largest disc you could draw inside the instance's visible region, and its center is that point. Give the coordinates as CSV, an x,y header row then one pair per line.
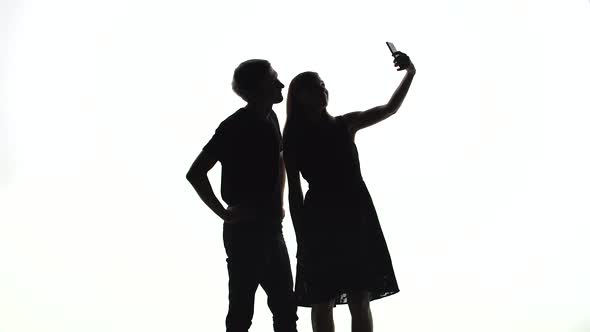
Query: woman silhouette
x,y
342,256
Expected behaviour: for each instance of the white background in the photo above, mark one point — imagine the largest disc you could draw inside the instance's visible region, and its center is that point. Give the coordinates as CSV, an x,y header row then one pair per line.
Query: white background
x,y
480,180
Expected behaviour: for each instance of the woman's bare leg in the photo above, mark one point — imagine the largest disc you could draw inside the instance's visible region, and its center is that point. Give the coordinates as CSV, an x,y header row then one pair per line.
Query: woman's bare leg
x,y
322,319
360,312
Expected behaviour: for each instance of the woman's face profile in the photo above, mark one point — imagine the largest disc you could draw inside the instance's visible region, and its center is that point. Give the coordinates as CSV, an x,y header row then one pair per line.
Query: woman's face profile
x,y
313,94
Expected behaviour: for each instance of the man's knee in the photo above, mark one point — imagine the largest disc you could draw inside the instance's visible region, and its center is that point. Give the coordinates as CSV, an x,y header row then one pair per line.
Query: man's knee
x,y
238,322
239,315
284,309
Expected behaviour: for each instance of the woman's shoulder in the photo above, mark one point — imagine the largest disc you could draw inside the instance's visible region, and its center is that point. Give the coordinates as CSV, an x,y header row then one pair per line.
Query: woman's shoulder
x,y
342,119
343,122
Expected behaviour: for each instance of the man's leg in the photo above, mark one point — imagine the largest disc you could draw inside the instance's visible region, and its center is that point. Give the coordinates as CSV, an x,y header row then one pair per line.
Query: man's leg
x,y
244,262
277,282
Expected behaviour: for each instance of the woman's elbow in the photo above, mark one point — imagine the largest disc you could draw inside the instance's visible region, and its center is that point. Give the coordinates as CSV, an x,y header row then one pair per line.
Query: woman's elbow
x,y
391,107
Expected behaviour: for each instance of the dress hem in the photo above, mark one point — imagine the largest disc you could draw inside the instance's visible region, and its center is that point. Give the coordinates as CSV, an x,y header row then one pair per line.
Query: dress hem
x,y
341,301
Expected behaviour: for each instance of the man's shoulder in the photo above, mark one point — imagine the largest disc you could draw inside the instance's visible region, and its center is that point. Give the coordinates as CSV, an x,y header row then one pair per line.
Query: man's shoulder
x,y
234,120
273,116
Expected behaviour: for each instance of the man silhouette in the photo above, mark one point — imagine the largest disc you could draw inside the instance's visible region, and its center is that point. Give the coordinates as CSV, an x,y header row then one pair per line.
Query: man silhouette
x,y
248,145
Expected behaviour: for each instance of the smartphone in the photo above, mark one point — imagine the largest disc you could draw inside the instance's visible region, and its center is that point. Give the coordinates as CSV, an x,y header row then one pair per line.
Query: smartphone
x,y
391,47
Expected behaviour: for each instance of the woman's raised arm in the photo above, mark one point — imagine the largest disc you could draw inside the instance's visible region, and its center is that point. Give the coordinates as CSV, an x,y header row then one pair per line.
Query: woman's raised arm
x,y
360,120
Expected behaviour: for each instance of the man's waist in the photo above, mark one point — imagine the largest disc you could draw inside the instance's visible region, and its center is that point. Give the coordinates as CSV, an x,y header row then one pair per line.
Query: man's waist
x,y
261,202
261,223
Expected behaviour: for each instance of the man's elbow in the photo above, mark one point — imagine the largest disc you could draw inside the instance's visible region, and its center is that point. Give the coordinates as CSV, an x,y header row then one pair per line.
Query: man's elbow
x,y
194,177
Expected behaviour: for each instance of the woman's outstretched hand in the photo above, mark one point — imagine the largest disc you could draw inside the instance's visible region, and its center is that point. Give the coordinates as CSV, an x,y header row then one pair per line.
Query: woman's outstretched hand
x,y
402,62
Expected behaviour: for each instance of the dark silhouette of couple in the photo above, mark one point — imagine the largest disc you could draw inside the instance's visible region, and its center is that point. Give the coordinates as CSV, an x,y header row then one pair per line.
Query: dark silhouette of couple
x,y
342,256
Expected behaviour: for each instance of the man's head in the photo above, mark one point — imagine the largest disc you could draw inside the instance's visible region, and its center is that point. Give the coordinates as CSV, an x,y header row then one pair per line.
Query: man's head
x,y
256,81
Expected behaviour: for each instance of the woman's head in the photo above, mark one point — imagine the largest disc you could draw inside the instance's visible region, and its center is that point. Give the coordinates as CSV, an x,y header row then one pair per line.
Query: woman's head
x,y
307,95
306,103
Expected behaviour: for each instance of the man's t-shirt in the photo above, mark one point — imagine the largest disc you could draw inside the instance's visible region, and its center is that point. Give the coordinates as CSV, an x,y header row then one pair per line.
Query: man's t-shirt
x,y
248,147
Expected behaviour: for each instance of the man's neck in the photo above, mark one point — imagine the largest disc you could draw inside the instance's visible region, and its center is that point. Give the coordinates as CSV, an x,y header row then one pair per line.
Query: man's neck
x,y
261,110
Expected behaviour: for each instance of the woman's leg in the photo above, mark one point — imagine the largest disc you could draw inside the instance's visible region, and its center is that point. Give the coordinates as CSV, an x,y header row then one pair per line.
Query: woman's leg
x,y
322,319
360,311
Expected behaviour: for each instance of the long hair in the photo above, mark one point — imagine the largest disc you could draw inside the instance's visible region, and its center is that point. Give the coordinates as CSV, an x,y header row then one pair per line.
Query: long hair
x,y
296,123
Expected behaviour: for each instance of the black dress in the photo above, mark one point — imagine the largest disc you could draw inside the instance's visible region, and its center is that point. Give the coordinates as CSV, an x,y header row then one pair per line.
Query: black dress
x,y
341,247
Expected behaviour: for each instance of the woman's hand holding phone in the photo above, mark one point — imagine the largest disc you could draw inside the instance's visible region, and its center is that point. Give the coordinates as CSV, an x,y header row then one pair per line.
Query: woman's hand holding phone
x,y
401,60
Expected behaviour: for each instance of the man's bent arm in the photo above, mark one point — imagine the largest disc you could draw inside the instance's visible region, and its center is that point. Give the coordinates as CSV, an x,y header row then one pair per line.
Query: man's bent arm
x,y
283,177
197,176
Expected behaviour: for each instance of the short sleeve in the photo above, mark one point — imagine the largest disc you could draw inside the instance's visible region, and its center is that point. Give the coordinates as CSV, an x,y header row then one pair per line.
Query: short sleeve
x,y
220,144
